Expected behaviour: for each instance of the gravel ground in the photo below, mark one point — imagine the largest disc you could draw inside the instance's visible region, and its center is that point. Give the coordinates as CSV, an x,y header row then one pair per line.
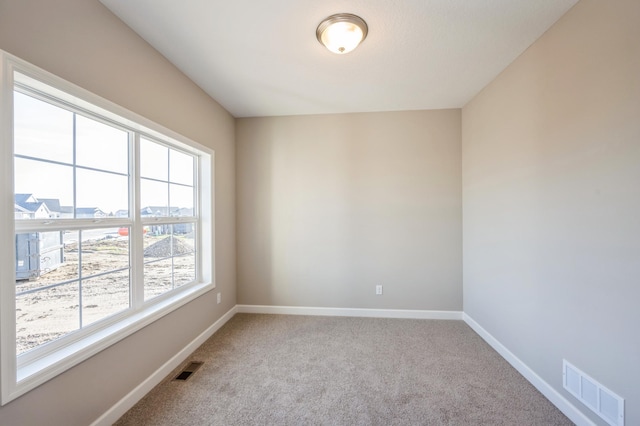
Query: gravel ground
x,y
48,313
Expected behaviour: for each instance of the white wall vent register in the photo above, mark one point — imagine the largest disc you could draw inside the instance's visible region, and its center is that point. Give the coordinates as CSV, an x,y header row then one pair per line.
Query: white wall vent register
x,y
599,399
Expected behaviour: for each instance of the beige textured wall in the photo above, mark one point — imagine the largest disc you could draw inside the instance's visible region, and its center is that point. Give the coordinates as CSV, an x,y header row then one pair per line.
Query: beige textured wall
x,y
551,190
81,41
331,205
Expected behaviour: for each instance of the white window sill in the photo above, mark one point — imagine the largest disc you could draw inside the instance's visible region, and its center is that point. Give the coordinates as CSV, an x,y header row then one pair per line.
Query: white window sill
x,y
46,367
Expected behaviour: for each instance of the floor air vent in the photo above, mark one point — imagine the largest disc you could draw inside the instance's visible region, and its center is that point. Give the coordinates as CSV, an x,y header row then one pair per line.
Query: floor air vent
x,y
602,401
188,371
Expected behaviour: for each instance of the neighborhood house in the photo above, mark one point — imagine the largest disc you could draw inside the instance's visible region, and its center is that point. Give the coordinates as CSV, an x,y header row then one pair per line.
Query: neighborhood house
x,y
40,252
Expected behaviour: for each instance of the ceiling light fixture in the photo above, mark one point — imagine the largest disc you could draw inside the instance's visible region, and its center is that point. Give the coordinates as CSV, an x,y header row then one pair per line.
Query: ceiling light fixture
x,y
341,33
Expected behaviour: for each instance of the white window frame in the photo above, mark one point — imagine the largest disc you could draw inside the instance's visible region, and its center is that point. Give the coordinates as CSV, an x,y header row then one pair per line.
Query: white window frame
x,y
20,374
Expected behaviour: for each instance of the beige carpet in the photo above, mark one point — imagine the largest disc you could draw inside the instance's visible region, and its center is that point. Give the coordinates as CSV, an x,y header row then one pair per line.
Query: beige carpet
x,y
297,370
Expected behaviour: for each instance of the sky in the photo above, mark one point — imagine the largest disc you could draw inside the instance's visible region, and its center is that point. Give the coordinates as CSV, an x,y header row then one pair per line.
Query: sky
x,y
45,133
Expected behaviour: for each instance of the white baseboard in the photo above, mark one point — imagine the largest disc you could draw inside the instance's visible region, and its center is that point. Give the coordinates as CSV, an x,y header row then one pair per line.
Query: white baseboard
x,y
545,388
122,406
349,312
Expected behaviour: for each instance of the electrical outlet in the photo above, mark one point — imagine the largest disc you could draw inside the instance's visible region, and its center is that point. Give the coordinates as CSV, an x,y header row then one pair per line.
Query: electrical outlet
x,y
219,297
378,290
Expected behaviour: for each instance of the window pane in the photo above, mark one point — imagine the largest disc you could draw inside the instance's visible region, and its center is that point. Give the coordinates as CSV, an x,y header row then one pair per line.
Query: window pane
x,y
154,197
169,260
181,167
104,296
181,200
42,130
184,269
101,194
48,309
157,278
158,243
154,160
100,146
45,258
169,240
104,250
45,315
185,230
42,189
105,287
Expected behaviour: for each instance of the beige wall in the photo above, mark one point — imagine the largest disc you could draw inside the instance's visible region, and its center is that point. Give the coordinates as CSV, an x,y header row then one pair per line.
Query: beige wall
x,y
81,41
551,190
331,205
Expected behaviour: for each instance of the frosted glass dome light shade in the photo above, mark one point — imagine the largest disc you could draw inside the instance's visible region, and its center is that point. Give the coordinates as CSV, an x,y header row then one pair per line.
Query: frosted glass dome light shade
x,y
342,33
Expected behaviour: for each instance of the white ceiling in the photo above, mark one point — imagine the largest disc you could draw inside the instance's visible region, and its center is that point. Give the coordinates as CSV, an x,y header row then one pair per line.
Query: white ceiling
x,y
261,58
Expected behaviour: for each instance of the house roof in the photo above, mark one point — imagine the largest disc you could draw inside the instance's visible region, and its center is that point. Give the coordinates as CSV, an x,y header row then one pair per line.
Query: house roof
x,y
23,198
53,204
88,210
29,203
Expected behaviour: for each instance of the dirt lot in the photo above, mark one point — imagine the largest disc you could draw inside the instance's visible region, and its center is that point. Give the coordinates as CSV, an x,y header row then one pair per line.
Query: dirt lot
x,y
46,310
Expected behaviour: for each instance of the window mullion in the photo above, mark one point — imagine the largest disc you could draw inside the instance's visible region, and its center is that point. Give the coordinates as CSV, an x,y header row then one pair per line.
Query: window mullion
x,y
75,216
137,228
8,365
197,179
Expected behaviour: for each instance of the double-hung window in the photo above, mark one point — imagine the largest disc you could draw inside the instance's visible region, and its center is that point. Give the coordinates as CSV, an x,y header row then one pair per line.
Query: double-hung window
x,y
106,224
